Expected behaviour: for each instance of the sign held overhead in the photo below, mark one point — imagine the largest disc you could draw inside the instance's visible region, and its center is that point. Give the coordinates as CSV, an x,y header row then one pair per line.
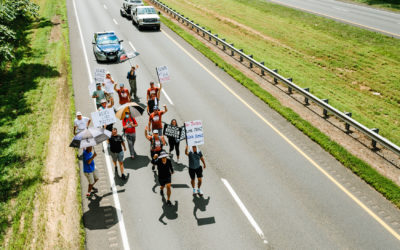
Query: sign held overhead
x,y
163,74
194,133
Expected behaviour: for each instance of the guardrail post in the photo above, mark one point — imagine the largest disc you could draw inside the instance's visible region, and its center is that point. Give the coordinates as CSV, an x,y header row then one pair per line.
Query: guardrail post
x,y
209,36
325,112
305,98
275,79
232,51
216,41
346,125
241,57
262,71
250,63
223,45
289,88
373,144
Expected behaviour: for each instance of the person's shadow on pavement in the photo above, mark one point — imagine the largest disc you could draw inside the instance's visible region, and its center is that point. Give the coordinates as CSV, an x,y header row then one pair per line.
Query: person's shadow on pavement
x,y
95,218
155,181
169,211
201,204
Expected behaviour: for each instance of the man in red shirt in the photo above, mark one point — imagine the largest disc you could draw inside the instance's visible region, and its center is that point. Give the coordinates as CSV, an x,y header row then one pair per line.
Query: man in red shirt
x,y
123,94
153,91
157,142
129,123
155,119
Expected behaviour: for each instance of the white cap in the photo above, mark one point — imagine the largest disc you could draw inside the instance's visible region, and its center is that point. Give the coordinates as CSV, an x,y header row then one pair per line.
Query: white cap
x,y
103,100
108,73
78,113
163,154
155,131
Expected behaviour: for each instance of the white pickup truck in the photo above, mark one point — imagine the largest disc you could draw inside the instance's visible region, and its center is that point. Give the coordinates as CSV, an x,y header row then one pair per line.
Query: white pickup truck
x,y
145,16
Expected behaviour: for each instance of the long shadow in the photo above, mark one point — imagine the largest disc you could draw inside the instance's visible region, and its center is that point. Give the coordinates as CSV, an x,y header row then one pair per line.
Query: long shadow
x,y
139,162
156,183
98,217
178,166
169,211
119,181
201,204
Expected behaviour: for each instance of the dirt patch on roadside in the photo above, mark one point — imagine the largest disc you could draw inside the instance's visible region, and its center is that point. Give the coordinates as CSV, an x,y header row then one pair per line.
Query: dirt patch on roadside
x,y
384,161
56,219
55,33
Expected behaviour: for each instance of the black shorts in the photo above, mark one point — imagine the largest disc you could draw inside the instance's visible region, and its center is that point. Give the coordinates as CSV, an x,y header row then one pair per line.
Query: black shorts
x,y
164,181
196,172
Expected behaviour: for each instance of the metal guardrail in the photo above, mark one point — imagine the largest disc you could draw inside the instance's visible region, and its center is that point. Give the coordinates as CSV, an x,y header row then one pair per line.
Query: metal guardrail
x,y
345,117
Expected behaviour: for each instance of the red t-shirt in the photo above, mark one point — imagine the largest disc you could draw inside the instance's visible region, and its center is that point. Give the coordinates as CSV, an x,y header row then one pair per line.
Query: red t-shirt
x,y
156,144
152,91
130,130
155,119
123,96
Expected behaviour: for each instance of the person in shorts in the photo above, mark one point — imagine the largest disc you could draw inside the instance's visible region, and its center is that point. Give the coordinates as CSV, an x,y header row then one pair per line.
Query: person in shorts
x,y
99,95
165,170
116,143
89,169
195,169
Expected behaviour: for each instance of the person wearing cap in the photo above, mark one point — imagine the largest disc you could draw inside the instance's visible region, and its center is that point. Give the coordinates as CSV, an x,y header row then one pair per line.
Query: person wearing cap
x,y
156,143
123,94
99,95
116,142
80,123
195,168
103,106
129,124
89,169
131,76
165,170
153,91
108,86
155,119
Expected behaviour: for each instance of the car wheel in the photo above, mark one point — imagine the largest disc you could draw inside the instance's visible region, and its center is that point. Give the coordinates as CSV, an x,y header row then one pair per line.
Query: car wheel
x,y
139,27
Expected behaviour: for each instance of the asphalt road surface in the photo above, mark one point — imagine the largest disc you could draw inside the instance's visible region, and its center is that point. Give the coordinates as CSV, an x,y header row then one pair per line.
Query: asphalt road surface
x,y
366,17
266,185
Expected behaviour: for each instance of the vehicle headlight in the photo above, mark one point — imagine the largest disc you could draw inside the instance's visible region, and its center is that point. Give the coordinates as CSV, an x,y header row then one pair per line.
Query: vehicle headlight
x,y
140,20
99,50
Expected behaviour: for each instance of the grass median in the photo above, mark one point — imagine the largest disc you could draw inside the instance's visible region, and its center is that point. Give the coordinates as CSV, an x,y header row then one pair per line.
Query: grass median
x,y
393,5
382,184
29,87
357,70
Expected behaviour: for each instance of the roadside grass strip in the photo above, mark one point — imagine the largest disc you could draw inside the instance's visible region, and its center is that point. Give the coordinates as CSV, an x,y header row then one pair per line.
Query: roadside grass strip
x,y
382,184
356,69
28,93
393,5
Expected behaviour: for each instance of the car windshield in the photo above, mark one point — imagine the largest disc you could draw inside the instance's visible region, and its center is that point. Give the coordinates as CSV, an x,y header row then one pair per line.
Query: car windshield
x,y
146,11
135,1
107,39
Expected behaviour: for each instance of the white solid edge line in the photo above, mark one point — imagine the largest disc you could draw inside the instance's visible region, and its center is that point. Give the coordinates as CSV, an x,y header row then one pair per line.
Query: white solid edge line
x,y
169,99
244,210
115,21
113,187
130,44
333,180
105,6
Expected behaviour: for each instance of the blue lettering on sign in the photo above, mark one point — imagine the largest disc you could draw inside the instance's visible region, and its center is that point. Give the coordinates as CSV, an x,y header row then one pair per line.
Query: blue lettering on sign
x,y
199,135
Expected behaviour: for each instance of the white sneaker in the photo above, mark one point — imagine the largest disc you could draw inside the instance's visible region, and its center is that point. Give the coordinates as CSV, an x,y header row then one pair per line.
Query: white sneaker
x,y
199,192
194,191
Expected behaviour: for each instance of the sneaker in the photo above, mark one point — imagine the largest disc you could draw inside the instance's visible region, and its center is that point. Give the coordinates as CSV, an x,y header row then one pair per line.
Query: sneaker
x,y
88,195
123,176
200,192
194,192
161,192
169,203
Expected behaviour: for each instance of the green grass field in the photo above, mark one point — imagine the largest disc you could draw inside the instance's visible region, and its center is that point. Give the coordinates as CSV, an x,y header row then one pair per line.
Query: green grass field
x,y
345,64
28,90
393,5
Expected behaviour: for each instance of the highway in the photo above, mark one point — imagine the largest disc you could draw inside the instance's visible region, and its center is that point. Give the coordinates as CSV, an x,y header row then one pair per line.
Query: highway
x,y
382,21
266,185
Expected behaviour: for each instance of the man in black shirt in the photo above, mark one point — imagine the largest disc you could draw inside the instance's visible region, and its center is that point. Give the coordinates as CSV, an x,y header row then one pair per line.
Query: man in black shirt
x,y
116,142
165,170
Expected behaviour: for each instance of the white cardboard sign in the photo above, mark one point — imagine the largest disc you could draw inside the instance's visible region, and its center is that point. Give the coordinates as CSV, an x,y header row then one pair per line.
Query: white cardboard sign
x,y
92,88
194,133
163,74
99,75
103,117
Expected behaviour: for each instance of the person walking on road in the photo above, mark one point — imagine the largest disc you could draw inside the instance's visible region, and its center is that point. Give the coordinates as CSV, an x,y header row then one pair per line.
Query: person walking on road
x,y
81,123
99,95
165,170
153,102
104,106
153,91
108,86
195,169
123,94
89,169
116,143
131,76
155,119
129,124
173,142
156,144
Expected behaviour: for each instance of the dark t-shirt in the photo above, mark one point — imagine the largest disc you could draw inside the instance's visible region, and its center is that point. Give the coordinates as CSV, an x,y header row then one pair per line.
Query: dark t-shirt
x,y
194,159
164,170
151,103
116,143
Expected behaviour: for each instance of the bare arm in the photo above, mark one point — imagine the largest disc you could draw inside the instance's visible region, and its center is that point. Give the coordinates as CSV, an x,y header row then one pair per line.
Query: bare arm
x,y
204,163
115,87
186,150
88,123
91,159
74,130
165,108
123,144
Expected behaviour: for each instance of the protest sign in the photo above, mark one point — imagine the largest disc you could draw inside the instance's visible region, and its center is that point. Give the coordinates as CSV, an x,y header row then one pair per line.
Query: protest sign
x,y
92,88
103,117
108,86
194,133
162,73
99,75
172,131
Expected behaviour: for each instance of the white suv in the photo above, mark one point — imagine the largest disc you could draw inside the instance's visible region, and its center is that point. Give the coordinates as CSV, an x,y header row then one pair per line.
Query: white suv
x,y
145,16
